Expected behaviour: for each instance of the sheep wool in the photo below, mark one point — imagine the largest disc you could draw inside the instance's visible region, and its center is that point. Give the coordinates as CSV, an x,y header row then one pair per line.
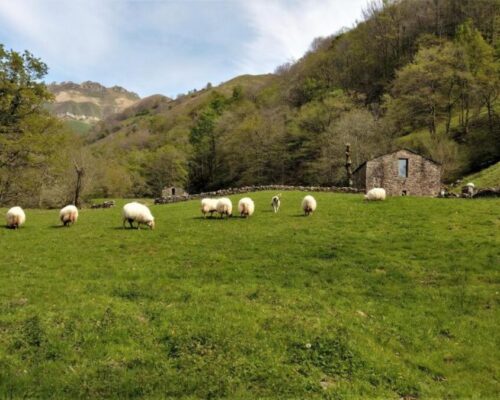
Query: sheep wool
x,y
246,207
68,215
136,212
15,217
225,207
276,202
208,206
375,194
309,204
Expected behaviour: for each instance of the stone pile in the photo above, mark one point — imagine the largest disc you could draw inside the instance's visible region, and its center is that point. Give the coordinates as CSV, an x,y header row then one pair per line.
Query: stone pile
x,y
106,204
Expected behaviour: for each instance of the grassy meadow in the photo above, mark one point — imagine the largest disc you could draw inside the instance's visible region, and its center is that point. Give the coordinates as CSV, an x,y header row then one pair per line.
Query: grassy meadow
x,y
395,299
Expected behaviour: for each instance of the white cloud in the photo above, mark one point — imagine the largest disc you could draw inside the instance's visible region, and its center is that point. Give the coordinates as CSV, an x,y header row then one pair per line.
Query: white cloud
x,y
168,46
71,33
285,29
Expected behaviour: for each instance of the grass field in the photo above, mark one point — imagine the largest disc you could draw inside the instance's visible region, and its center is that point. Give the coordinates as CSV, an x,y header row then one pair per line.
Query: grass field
x,y
396,299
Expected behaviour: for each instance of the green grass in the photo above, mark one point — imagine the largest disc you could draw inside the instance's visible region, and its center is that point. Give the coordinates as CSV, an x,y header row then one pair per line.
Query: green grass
x,y
488,177
79,127
395,299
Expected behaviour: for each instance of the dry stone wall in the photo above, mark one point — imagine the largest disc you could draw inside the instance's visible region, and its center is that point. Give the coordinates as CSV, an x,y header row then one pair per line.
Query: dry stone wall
x,y
247,189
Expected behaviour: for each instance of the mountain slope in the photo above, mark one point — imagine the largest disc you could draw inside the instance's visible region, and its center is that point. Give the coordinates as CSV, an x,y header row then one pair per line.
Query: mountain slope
x,y
488,177
135,119
89,102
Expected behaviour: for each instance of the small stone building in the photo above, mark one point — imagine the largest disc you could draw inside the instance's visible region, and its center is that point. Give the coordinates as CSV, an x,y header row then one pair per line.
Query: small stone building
x,y
172,191
400,173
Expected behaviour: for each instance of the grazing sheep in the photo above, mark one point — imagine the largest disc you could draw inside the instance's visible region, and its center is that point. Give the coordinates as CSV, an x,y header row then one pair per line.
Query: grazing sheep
x,y
139,213
469,189
68,215
276,202
15,217
309,204
224,207
375,194
208,206
246,207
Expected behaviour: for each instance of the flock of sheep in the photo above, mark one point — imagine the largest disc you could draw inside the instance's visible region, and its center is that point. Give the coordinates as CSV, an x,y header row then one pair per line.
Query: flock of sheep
x,y
140,214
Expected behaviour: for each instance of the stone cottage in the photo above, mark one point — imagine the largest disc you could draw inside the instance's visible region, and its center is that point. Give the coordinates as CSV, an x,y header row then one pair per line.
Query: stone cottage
x,y
173,191
400,173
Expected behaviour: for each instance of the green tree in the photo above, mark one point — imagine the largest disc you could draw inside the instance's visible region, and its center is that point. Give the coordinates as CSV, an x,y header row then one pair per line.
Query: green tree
x,y
32,143
425,91
166,166
484,68
204,144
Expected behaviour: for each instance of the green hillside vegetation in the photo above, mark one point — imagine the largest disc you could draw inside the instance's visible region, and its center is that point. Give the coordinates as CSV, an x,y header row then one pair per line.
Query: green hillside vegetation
x,y
78,127
354,301
390,81
420,74
78,108
488,177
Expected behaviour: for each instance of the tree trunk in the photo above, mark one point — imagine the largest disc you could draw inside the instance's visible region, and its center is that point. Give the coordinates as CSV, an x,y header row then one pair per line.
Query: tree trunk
x,y
490,116
78,187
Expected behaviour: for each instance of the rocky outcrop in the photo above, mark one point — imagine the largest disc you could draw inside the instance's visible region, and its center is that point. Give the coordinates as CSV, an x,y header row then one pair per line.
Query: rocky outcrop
x,y
89,101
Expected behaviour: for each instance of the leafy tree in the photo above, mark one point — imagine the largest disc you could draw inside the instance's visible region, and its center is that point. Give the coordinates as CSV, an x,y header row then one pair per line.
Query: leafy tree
x,y
204,144
426,90
22,93
32,143
484,68
166,166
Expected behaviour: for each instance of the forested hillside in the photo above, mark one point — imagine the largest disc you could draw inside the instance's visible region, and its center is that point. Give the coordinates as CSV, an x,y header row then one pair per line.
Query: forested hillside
x,y
423,74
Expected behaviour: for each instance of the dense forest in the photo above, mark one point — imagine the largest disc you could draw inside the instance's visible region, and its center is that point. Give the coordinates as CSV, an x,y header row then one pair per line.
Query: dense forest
x,y
423,74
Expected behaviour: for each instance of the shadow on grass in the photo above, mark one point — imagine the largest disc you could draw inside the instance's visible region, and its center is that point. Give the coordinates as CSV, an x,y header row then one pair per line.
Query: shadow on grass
x,y
14,229
128,228
300,216
216,218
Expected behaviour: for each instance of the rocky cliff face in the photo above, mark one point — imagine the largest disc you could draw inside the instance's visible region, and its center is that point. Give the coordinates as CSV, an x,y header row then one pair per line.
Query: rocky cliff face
x,y
89,101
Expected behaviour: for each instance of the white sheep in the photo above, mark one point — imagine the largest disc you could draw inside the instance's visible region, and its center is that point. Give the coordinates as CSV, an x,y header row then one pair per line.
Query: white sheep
x,y
375,194
15,217
139,213
246,207
68,215
470,189
208,206
309,204
225,207
276,202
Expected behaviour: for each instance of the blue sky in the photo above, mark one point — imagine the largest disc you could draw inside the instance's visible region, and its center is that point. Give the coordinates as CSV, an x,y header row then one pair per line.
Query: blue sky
x,y
168,46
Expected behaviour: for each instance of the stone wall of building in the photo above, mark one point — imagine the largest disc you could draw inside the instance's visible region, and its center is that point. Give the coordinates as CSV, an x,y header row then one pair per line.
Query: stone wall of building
x,y
424,176
173,191
359,178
